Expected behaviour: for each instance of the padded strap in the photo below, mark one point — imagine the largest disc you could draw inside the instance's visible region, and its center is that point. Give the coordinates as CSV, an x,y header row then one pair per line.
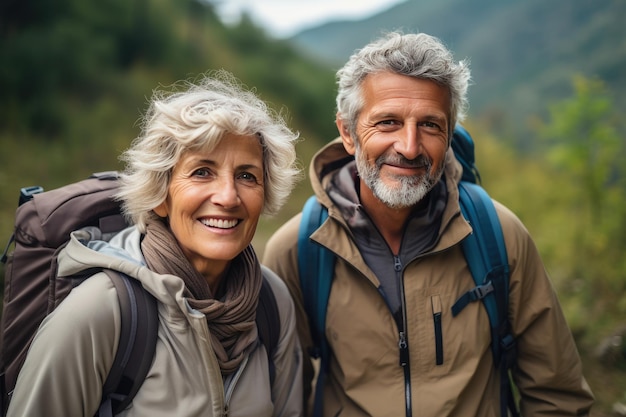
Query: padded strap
x,y
136,346
316,266
485,252
484,249
268,324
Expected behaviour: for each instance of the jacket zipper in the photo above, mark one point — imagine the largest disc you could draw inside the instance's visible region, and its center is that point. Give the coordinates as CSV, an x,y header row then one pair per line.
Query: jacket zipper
x,y
403,344
230,382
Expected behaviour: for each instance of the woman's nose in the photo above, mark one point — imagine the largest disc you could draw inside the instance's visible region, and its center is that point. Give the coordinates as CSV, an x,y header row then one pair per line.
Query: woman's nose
x,y
225,193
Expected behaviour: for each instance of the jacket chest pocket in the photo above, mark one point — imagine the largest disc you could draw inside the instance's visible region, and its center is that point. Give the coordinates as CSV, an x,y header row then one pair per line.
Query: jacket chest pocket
x,y
435,302
439,342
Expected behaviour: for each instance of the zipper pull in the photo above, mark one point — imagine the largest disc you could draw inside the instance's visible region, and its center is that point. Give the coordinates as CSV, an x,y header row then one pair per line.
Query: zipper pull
x,y
397,263
404,351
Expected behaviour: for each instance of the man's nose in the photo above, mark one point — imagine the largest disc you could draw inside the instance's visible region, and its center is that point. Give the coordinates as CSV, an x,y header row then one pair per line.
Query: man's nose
x,y
409,143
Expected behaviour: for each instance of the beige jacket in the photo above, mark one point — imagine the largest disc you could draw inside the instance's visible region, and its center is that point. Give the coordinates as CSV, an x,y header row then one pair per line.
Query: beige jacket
x,y
365,377
75,346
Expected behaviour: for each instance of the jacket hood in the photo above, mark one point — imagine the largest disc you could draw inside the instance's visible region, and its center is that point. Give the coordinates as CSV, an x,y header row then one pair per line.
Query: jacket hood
x,y
122,253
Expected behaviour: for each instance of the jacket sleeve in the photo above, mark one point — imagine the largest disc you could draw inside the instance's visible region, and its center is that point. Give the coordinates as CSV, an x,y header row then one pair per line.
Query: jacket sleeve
x,y
549,370
281,256
287,386
71,354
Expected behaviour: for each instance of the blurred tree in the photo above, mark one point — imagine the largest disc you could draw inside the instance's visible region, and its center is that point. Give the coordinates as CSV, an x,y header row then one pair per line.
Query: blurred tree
x,y
583,139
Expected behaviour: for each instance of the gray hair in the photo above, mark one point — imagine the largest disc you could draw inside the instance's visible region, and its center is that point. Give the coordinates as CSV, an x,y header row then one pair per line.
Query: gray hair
x,y
195,118
414,55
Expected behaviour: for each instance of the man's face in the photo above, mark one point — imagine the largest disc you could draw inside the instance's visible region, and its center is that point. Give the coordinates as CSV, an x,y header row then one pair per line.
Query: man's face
x,y
402,137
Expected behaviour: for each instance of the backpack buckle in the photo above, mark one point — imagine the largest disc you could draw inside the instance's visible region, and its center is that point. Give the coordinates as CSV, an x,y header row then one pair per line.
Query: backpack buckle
x,y
481,291
477,293
27,193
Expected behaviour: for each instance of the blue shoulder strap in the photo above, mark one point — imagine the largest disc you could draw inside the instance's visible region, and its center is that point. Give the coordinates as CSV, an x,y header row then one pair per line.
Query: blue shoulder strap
x,y
316,268
485,253
484,249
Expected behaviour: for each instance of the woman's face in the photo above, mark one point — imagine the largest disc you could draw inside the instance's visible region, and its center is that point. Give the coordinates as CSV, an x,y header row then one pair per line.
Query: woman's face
x,y
214,202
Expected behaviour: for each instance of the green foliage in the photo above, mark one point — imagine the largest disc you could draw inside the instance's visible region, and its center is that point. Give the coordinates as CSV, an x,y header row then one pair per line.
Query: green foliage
x,y
572,198
583,253
591,145
584,144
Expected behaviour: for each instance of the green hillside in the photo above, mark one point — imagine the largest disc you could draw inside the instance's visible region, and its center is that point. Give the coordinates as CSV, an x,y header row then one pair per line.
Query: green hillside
x,y
523,53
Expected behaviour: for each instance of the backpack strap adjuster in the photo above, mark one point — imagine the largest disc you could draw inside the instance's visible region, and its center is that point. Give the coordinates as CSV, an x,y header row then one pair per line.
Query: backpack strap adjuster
x,y
507,343
475,294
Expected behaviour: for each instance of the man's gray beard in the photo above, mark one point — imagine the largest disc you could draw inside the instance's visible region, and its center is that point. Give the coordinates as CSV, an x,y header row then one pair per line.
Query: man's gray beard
x,y
410,191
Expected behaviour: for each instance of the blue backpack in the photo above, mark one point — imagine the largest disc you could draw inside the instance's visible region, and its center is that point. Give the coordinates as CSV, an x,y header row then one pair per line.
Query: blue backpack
x,y
484,251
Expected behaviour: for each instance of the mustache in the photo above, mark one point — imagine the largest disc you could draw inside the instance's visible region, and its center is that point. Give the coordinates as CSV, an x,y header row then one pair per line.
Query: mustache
x,y
422,161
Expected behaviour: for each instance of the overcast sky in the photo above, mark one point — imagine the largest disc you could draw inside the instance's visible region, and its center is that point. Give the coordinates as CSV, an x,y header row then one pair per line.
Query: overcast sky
x,y
283,18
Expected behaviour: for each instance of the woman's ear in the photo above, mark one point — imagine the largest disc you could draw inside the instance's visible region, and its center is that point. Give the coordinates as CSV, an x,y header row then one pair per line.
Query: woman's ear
x,y
161,210
348,141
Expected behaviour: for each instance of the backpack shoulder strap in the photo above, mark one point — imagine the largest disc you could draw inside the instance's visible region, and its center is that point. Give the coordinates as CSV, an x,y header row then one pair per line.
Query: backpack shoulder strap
x,y
268,324
485,253
316,269
463,147
484,250
136,346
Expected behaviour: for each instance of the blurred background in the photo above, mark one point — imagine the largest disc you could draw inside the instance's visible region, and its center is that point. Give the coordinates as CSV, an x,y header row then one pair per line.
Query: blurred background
x,y
546,112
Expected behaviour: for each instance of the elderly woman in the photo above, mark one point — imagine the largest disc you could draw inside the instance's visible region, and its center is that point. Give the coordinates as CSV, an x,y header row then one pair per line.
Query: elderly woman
x,y
210,160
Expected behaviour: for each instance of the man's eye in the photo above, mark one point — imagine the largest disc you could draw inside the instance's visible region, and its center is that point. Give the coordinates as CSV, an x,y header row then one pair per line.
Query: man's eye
x,y
387,124
430,125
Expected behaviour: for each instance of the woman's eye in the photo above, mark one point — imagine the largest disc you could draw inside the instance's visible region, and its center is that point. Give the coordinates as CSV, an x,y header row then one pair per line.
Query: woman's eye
x,y
201,172
247,176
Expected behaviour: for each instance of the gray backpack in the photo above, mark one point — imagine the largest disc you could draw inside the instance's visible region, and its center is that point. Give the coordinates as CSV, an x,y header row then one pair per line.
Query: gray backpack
x,y
32,289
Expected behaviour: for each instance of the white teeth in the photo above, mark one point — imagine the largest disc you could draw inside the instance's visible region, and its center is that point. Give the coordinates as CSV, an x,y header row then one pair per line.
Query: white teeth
x,y
219,223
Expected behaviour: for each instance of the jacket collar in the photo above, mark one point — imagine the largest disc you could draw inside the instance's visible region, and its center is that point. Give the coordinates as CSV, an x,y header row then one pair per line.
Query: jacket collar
x,y
333,156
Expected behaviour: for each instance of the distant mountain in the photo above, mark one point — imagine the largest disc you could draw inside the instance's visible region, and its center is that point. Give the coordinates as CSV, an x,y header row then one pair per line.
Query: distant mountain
x,y
523,53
